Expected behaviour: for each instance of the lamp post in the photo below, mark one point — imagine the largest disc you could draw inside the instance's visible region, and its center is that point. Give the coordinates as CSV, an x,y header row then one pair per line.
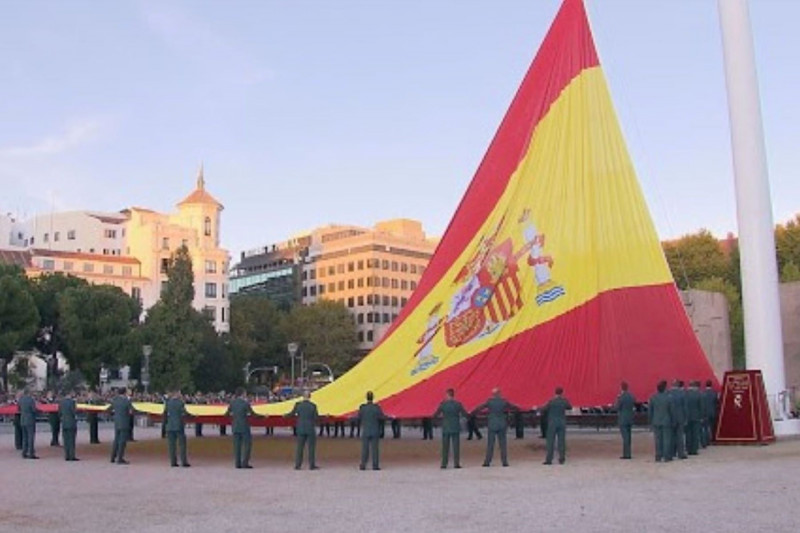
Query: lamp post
x,y
103,378
292,347
147,350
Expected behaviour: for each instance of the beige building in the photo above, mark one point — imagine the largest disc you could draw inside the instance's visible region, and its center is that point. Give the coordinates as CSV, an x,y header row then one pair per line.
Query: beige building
x,y
372,271
130,249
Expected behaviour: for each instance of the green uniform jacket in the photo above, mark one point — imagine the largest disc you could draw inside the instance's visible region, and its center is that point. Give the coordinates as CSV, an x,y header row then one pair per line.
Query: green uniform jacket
x,y
174,411
710,403
694,405
659,409
369,416
451,411
27,411
497,407
239,409
557,411
66,410
123,410
306,413
624,406
678,406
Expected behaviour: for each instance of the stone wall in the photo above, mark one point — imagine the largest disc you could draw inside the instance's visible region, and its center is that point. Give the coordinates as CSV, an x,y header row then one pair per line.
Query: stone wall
x,y
708,314
790,319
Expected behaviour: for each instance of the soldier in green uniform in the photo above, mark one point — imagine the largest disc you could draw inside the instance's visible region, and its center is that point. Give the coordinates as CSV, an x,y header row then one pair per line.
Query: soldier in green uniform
x,y
53,419
451,412
370,416
239,409
27,414
497,425
624,406
677,398
69,425
93,419
123,413
174,421
557,409
305,411
661,422
694,409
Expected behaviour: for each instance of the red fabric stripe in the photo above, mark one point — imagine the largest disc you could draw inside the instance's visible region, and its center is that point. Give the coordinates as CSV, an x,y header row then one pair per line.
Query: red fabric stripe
x,y
567,49
639,335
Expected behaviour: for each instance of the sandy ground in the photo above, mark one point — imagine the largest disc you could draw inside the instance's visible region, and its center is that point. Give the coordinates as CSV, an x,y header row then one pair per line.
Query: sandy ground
x,y
724,489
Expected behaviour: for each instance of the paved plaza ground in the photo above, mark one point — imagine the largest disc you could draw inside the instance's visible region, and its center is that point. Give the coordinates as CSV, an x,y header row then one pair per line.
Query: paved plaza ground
x,y
731,489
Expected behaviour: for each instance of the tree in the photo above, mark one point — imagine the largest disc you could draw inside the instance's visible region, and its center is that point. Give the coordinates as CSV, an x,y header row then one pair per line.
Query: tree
x,y
696,257
46,290
256,335
97,324
326,332
787,242
175,329
19,318
790,272
735,315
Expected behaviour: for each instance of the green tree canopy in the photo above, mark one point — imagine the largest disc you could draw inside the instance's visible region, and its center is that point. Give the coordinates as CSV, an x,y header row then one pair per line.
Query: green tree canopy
x,y
696,257
790,272
256,334
46,290
97,324
326,332
787,242
19,319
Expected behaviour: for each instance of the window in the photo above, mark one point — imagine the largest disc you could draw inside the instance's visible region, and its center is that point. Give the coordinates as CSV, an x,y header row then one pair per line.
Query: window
x,y
369,281
340,268
331,270
32,240
312,291
370,336
322,272
360,282
361,265
71,235
46,237
127,271
385,318
68,266
331,287
48,264
351,284
351,302
361,300
211,267
403,302
164,265
165,243
404,285
57,236
304,292
369,318
394,301
385,282
394,317
403,267
386,301
413,285
360,318
207,227
304,275
369,299
394,266
312,274
211,290
222,310
395,283
136,294
340,286
321,290
110,233
108,269
413,269
385,264
88,267
351,266
360,336
211,312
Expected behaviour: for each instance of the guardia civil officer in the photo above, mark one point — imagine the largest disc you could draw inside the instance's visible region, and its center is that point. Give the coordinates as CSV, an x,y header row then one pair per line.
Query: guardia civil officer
x,y
69,425
175,414
451,412
497,424
239,409
27,419
710,403
370,416
658,411
624,406
53,419
694,410
305,412
678,412
557,409
93,419
122,408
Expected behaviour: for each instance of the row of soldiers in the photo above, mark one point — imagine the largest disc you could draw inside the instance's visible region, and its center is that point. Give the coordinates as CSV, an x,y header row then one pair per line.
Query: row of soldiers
x,y
681,420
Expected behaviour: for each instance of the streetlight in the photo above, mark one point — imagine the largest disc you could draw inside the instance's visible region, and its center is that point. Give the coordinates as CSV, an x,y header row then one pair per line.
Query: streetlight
x,y
147,350
292,347
103,378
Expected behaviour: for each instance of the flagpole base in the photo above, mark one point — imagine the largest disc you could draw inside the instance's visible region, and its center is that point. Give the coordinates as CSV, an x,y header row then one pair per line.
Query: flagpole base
x,y
787,428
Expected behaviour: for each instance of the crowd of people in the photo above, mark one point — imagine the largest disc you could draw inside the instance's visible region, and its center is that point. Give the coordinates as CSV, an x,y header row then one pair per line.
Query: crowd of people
x,y
681,419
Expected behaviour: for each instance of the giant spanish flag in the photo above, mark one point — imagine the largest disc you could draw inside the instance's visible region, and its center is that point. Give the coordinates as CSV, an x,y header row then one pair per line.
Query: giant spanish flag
x,y
550,272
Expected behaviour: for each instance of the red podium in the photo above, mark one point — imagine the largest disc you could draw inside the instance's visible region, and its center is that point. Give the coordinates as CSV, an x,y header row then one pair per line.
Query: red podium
x,y
744,416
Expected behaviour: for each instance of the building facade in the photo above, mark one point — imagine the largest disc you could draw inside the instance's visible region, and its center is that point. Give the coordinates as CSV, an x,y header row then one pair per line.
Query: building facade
x,y
371,271
131,249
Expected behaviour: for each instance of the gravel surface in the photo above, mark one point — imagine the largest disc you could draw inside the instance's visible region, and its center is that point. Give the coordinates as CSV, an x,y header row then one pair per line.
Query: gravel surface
x,y
740,489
